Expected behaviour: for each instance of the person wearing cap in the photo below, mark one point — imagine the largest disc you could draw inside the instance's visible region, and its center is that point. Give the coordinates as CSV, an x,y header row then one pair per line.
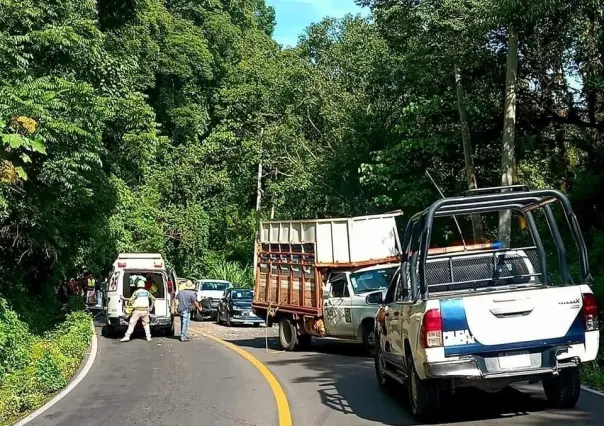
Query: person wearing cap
x,y
186,298
141,307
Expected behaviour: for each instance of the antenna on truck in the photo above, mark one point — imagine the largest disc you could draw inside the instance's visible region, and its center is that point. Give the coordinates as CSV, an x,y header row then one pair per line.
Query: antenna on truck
x,y
454,217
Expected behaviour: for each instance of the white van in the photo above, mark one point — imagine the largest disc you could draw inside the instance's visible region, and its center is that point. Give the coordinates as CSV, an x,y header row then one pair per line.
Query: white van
x,y
127,269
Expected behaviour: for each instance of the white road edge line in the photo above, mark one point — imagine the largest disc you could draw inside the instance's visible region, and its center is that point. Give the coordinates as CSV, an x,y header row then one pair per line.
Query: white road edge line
x,y
595,392
71,386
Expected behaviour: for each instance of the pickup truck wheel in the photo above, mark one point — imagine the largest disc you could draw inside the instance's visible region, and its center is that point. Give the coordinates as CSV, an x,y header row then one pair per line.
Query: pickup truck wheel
x,y
369,338
424,395
384,381
288,337
563,391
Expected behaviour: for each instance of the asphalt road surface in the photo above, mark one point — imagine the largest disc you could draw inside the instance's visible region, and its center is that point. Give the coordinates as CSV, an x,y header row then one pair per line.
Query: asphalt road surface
x,y
166,382
334,384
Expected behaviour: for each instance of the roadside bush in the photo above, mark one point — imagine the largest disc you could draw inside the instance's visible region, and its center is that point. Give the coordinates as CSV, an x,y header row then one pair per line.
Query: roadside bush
x,y
15,341
35,367
240,275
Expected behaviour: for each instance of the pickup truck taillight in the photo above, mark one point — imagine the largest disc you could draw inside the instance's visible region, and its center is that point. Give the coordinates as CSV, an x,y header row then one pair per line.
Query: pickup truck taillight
x,y
432,329
590,312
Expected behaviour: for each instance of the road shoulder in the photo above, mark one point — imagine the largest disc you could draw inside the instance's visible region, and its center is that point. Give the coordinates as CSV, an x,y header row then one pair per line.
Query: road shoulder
x,y
84,369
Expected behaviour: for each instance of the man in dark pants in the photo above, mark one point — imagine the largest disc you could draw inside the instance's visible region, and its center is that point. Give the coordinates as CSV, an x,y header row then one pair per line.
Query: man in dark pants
x,y
186,298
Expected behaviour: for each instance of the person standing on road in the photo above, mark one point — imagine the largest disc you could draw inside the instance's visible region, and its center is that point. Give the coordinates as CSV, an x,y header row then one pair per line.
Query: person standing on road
x,y
186,299
140,300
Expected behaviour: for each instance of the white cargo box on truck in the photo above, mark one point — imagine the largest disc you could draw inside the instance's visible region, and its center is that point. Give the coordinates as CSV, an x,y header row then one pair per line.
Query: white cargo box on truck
x,y
339,240
294,257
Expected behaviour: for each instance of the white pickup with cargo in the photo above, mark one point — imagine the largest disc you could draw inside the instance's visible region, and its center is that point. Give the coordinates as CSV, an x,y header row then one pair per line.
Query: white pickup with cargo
x,y
324,277
127,269
486,315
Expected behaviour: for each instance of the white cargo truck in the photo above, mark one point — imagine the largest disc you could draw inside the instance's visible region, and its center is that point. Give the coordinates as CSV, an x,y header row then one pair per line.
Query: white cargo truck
x,y
324,277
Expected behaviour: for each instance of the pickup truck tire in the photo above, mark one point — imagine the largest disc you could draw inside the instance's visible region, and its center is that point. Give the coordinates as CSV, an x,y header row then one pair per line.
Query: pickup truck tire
x,y
369,340
424,395
385,382
564,390
288,336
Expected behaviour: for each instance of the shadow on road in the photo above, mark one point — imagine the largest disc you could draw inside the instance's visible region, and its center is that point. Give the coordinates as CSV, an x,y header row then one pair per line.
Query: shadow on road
x,y
345,380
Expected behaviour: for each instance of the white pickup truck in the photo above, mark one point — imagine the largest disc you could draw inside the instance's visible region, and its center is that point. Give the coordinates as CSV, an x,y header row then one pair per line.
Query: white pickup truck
x,y
484,315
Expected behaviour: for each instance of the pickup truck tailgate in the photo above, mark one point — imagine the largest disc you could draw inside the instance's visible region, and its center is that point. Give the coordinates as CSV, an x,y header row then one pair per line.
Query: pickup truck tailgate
x,y
514,320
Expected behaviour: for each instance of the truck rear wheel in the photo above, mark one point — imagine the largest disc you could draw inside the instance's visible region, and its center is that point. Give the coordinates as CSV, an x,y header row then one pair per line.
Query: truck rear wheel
x,y
564,390
288,336
424,395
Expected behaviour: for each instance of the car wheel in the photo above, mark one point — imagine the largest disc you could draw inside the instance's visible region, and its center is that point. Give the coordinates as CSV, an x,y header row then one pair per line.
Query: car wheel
x,y
424,395
369,340
288,337
564,390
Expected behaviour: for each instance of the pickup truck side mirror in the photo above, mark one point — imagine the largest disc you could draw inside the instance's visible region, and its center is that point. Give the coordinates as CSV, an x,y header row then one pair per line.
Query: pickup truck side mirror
x,y
374,299
326,293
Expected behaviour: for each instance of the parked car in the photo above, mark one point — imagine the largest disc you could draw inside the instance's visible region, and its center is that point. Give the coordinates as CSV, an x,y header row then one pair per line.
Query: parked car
x,y
209,293
235,307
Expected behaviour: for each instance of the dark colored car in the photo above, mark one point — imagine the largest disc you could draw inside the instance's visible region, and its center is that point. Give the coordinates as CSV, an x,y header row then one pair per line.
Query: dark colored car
x,y
235,307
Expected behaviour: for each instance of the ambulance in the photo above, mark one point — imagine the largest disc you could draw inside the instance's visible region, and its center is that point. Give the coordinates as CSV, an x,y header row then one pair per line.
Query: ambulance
x,y
127,269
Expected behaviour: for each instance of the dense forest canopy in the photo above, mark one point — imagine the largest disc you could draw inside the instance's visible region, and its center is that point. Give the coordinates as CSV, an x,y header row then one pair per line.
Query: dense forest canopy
x,y
132,125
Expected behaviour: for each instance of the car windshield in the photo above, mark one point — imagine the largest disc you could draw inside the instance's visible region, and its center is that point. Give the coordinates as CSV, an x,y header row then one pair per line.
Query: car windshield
x,y
376,279
213,285
241,295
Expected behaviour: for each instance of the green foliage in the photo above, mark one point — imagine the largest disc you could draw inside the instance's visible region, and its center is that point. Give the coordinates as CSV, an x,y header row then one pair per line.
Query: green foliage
x,y
34,367
234,272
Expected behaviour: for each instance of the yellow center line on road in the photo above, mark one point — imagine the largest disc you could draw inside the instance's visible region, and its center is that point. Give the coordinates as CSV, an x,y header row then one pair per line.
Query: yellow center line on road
x,y
283,411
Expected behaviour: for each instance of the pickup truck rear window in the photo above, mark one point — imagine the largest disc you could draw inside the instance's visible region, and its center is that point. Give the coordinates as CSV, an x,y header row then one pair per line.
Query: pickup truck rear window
x,y
461,272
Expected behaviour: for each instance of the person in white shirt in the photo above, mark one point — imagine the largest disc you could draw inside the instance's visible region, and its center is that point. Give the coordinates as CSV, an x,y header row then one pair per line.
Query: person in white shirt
x,y
141,307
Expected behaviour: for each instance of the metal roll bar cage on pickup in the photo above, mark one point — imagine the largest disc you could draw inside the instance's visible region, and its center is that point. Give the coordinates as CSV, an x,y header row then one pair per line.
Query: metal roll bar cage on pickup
x,y
516,197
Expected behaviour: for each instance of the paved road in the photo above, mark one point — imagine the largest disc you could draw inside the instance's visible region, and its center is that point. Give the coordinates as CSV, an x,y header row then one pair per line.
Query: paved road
x,y
166,382
334,385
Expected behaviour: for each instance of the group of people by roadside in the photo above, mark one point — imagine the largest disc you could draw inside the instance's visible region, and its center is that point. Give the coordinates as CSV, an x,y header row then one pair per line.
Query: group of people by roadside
x,y
87,287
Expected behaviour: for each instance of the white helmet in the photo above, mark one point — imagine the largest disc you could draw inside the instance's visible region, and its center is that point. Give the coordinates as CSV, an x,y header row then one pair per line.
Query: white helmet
x,y
140,283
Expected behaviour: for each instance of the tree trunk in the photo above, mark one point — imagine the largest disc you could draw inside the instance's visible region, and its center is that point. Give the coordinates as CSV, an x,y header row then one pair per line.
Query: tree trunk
x,y
467,152
259,189
508,161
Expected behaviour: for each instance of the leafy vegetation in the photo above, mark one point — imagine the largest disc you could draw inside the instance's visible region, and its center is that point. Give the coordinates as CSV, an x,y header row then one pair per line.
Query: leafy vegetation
x,y
35,367
150,124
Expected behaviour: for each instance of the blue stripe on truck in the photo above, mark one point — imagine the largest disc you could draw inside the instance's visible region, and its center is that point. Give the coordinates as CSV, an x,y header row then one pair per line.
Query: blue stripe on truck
x,y
454,320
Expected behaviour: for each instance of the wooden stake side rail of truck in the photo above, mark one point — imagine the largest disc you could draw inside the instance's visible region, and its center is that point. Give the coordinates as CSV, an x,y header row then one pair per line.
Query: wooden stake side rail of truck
x,y
324,278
